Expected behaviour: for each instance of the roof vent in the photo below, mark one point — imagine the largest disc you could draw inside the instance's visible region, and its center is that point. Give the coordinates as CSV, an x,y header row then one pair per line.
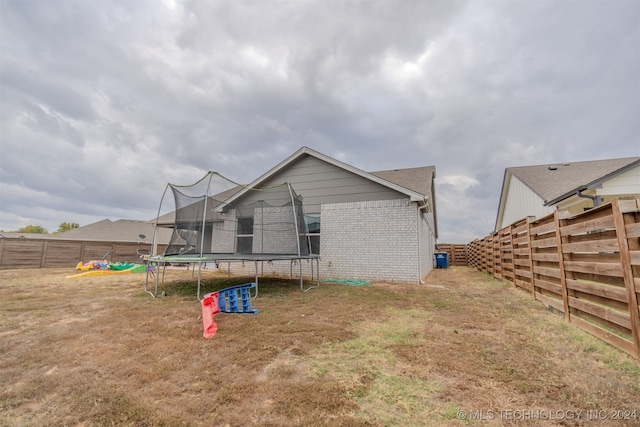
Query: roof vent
x,y
553,168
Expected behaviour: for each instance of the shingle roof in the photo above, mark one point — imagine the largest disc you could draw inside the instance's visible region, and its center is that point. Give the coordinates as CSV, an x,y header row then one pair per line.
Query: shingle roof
x,y
556,181
122,230
15,235
415,179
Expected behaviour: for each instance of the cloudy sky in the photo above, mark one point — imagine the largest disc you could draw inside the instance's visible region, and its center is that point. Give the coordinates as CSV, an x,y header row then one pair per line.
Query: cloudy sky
x,y
103,103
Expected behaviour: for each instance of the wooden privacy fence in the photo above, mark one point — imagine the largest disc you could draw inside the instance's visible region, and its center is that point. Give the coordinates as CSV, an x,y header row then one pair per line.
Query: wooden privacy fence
x,y
457,253
42,253
587,267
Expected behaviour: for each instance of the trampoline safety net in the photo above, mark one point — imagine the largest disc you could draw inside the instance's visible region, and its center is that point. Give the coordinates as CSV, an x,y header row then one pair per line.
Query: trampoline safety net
x,y
218,216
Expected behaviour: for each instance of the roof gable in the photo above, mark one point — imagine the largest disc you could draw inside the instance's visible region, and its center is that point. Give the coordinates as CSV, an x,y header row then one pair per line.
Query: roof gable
x,y
557,181
122,230
404,183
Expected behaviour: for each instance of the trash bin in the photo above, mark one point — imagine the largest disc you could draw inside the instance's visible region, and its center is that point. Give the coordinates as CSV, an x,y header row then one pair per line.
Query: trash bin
x,y
442,259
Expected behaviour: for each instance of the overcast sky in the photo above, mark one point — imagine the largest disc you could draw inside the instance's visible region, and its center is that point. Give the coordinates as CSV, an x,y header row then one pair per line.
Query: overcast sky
x,y
105,102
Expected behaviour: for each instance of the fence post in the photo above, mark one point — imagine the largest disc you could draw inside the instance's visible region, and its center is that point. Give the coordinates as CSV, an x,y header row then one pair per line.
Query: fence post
x,y
625,259
2,240
563,276
532,278
487,256
513,257
43,257
495,254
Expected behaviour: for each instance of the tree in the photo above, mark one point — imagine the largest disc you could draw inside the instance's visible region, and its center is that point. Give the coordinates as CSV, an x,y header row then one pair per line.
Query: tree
x,y
66,226
36,229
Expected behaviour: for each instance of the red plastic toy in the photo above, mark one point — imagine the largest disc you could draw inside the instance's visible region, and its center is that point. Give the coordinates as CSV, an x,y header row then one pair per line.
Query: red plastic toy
x,y
209,309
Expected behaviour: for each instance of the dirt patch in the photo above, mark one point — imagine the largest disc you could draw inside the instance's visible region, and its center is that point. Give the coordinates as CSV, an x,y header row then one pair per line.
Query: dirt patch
x,y
100,351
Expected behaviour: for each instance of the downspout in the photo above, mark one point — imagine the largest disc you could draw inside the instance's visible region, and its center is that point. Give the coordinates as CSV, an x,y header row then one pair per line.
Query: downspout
x,y
420,244
597,200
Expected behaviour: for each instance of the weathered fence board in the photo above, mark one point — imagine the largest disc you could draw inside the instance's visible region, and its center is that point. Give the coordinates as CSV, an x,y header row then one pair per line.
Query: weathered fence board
x,y
599,289
457,253
586,266
39,253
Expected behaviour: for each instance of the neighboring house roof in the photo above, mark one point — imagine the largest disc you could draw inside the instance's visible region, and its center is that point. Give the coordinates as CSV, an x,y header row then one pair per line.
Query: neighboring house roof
x,y
558,181
15,235
122,230
414,195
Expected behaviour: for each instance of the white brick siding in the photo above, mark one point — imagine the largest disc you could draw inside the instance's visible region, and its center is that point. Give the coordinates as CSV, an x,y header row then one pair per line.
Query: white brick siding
x,y
223,238
274,231
374,240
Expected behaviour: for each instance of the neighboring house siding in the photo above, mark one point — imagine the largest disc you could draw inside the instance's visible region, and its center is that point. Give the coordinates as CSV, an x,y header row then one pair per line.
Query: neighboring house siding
x,y
558,184
624,185
375,240
320,183
521,202
573,206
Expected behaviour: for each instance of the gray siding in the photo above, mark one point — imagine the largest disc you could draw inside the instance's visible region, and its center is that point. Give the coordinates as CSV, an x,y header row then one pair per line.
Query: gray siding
x,y
321,183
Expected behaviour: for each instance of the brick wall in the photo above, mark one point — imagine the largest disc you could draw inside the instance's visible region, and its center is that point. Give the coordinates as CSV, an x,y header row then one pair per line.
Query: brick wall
x,y
223,238
274,231
376,240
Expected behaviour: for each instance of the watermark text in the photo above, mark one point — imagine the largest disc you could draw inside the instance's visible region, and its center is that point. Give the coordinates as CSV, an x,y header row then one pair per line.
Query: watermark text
x,y
549,414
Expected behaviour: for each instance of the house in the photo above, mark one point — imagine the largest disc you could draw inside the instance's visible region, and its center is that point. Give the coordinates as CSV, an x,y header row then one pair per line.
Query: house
x,y
122,230
367,226
569,188
17,235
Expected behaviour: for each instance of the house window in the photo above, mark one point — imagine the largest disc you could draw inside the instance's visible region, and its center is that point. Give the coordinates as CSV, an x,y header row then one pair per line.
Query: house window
x,y
313,225
244,236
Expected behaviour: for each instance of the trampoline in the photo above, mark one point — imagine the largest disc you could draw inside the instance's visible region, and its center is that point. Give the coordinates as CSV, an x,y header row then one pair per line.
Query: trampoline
x,y
217,220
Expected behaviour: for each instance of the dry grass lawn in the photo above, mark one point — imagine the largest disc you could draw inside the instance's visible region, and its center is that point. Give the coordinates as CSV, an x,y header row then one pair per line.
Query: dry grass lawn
x,y
99,351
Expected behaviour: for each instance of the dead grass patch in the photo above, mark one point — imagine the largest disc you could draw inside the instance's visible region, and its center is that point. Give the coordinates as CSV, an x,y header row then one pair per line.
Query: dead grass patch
x,y
100,351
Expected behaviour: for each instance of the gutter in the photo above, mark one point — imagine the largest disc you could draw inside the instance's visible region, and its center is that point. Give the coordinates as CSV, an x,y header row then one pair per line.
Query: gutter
x,y
424,206
592,185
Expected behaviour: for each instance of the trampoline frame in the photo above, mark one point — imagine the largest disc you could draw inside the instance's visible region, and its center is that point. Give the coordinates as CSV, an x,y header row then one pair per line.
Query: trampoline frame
x,y
160,262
